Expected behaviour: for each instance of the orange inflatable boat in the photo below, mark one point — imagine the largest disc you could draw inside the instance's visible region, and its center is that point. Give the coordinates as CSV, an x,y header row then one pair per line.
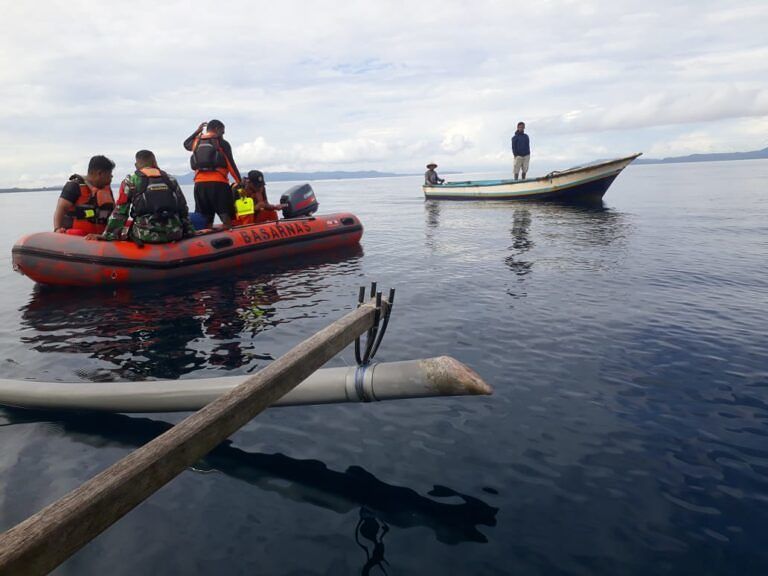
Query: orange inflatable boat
x,y
62,259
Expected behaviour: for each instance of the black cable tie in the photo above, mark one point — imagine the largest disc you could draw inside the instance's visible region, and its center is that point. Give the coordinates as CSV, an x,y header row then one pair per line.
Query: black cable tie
x,y
369,334
360,300
389,304
374,330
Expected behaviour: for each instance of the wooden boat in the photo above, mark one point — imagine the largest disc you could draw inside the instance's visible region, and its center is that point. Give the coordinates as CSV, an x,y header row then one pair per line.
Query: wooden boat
x,y
61,259
588,182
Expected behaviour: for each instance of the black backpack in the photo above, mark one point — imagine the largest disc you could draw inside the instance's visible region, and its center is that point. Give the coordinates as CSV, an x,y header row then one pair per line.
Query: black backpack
x,y
207,155
155,195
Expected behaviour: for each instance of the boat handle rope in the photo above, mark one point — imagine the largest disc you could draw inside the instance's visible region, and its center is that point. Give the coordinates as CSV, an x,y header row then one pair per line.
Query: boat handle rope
x,y
376,332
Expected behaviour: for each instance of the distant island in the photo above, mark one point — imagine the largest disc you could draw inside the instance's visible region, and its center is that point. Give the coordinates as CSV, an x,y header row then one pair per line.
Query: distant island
x,y
341,175
188,178
754,155
43,189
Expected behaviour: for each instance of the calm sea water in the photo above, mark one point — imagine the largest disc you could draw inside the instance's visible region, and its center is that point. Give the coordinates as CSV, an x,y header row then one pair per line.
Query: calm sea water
x,y
626,344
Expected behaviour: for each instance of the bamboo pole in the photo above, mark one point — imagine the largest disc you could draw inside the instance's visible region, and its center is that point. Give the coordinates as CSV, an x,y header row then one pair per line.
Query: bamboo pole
x,y
40,543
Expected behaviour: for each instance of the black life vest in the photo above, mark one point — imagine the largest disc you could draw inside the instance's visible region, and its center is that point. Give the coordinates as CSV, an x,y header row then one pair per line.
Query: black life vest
x,y
155,194
207,154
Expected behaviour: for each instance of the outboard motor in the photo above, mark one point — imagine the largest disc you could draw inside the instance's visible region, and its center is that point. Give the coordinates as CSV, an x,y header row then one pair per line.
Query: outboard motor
x,y
301,201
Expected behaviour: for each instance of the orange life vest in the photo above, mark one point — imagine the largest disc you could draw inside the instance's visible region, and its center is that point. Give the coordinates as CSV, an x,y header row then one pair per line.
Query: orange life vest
x,y
213,165
265,216
91,210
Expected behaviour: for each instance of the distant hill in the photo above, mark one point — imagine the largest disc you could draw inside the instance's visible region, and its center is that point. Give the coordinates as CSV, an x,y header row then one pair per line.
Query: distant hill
x,y
341,175
17,189
754,155
283,176
269,176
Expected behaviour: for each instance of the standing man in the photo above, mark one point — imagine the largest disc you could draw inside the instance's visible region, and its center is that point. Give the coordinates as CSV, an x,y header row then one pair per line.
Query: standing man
x,y
213,164
86,203
521,149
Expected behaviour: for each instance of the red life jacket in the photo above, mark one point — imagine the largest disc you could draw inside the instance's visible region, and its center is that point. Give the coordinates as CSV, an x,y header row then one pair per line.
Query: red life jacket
x,y
91,210
265,216
257,218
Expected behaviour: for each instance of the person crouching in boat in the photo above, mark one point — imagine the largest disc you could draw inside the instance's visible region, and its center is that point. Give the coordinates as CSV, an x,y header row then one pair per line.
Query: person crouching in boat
x,y
86,202
155,202
430,176
252,205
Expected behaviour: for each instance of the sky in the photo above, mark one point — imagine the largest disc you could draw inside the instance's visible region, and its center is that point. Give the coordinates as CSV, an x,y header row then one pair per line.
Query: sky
x,y
386,85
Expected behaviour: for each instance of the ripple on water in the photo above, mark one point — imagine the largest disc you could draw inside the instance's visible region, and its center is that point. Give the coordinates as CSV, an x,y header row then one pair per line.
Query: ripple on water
x,y
625,343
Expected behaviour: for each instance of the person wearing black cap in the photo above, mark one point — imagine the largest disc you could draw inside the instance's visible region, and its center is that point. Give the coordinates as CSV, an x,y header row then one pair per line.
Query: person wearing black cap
x,y
252,206
430,176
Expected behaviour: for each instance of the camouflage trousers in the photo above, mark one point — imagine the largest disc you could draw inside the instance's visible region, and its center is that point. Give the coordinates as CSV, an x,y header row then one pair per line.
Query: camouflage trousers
x,y
154,230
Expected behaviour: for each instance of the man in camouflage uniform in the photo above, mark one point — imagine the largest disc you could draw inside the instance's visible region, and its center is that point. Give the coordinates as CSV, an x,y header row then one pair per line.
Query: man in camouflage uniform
x,y
155,202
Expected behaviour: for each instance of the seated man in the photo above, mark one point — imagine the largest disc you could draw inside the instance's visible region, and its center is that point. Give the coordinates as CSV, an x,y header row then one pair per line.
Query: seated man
x,y
86,203
252,206
430,176
155,202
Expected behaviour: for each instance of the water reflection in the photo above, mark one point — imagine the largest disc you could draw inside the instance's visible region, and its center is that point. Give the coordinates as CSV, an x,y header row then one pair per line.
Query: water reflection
x,y
371,529
166,331
432,217
521,243
587,225
567,228
308,481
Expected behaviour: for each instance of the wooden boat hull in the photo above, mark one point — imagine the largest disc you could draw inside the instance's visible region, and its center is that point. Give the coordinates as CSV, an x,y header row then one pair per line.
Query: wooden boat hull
x,y
61,259
589,182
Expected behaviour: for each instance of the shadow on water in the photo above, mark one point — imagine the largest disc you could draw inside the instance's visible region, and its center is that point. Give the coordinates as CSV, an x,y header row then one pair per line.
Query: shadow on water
x,y
305,481
168,330
369,528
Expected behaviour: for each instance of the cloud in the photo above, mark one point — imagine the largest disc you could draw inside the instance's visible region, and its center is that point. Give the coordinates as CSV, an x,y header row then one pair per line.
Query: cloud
x,y
258,151
684,144
337,154
374,86
453,143
663,108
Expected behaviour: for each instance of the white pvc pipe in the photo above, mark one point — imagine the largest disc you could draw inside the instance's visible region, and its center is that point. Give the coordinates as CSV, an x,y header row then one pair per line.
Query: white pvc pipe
x,y
441,376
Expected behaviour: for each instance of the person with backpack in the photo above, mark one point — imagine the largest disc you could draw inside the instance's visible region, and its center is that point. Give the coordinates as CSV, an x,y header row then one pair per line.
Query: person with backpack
x,y
213,164
155,202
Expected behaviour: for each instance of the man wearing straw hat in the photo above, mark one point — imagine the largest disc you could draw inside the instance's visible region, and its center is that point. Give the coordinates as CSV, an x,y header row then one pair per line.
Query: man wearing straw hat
x,y
430,176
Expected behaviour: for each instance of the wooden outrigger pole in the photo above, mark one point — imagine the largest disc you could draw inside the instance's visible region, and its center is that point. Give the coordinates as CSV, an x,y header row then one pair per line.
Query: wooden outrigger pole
x,y
43,541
